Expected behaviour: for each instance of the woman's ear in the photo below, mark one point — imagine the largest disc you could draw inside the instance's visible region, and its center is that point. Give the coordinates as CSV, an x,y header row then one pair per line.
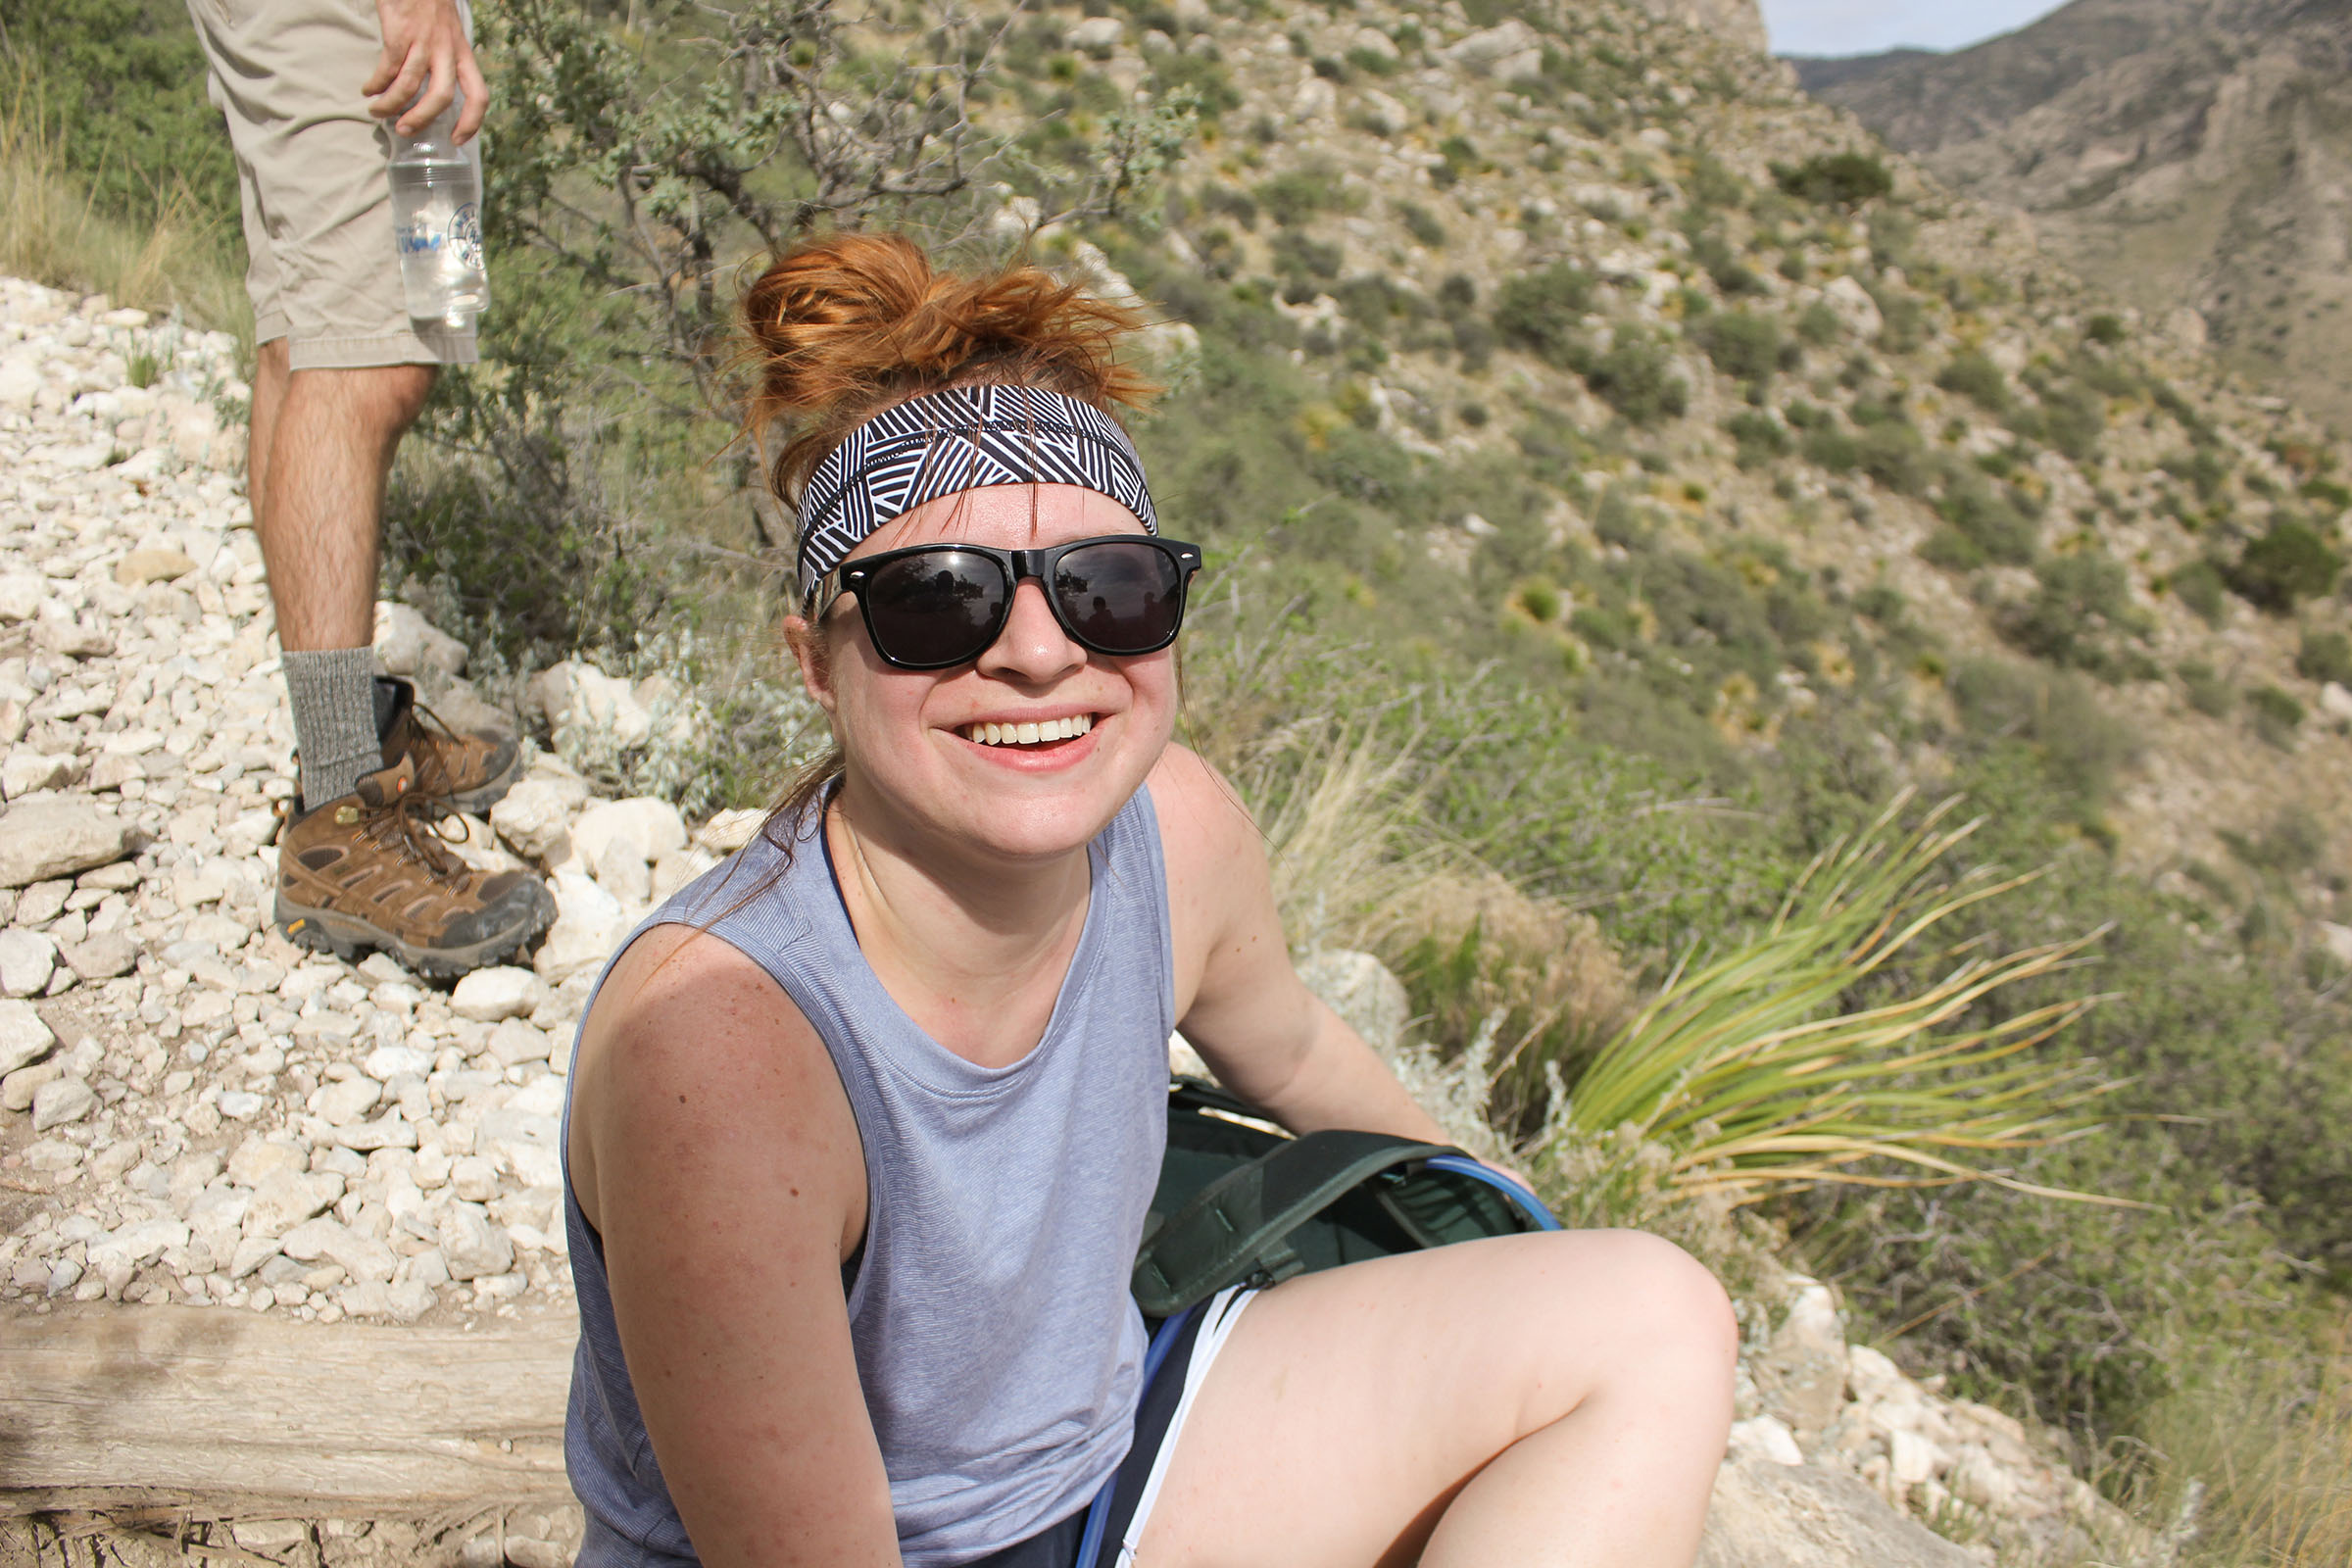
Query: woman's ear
x,y
808,646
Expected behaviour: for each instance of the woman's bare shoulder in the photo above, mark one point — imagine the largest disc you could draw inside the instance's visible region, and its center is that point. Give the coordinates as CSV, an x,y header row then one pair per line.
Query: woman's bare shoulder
x,y
690,1039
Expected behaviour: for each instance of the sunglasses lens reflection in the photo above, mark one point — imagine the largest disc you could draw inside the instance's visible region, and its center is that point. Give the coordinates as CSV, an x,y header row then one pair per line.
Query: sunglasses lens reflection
x,y
940,608
1119,598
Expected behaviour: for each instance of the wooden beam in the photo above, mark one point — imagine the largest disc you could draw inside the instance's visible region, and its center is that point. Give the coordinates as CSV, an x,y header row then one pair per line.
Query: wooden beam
x,y
123,1408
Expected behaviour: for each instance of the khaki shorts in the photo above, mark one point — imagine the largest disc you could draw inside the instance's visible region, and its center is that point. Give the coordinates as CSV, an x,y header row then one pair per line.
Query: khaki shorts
x,y
311,166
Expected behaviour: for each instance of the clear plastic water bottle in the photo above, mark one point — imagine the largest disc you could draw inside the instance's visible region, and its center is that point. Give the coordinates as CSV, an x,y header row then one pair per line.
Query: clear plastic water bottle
x,y
437,223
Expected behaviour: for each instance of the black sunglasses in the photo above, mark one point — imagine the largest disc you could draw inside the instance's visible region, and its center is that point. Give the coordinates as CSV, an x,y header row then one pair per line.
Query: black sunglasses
x,y
933,607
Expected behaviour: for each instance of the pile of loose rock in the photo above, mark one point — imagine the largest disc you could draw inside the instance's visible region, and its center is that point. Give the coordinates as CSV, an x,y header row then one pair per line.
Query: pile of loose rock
x,y
195,1109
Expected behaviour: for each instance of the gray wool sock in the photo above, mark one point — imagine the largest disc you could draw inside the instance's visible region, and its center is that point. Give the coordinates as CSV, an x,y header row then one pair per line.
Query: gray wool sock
x,y
333,691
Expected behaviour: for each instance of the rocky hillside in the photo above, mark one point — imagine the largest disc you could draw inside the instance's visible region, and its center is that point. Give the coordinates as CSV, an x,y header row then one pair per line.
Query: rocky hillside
x,y
2187,154
1685,386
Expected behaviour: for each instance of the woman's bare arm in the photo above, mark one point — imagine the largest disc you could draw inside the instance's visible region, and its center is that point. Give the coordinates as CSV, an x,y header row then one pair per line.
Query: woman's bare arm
x,y
716,1152
1239,1000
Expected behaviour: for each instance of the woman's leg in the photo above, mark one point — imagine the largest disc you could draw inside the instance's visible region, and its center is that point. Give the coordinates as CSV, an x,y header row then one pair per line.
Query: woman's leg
x,y
1542,1402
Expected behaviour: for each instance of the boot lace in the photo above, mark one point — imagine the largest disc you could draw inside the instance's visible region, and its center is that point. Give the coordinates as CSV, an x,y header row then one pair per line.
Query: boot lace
x,y
412,826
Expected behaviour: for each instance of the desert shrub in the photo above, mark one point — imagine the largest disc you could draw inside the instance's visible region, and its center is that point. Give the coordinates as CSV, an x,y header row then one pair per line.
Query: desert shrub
x,y
1422,223
2289,563
2277,714
1229,200
1637,378
1836,180
1830,448
1760,437
1903,319
2204,468
2105,328
2073,416
1297,255
1819,326
1986,517
1976,377
1743,345
2199,585
1541,312
1892,453
2076,743
1299,194
2207,691
1205,78
2079,615
2325,656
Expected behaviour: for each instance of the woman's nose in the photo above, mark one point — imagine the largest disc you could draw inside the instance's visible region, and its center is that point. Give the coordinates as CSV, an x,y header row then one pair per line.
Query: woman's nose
x,y
1032,647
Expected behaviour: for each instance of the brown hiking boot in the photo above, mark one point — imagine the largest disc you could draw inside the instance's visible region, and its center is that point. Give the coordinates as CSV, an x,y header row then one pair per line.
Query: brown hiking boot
x,y
370,871
468,772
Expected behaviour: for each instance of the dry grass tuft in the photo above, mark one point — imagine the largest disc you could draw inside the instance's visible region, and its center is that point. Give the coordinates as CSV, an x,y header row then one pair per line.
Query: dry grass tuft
x,y
52,232
2252,1467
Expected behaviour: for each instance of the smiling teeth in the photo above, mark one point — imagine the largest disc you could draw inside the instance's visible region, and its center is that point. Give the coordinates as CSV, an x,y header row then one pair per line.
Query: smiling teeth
x,y
1031,734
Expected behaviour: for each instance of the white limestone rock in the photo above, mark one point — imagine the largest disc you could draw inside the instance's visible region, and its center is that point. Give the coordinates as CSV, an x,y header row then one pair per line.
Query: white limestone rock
x,y
24,1036
41,838
407,644
503,992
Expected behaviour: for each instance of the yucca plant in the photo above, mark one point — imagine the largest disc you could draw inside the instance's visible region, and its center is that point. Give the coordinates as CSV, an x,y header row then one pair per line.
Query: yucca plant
x,y
1751,1072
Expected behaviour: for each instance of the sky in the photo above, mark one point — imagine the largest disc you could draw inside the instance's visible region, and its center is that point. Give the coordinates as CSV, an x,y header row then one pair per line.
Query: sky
x,y
1868,26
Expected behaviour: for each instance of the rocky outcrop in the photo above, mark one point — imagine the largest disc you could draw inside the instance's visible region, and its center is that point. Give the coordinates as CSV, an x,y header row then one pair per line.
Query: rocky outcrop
x,y
1739,22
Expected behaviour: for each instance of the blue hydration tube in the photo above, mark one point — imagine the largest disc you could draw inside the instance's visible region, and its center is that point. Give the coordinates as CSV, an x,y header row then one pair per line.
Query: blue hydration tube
x,y
1098,1515
1526,1201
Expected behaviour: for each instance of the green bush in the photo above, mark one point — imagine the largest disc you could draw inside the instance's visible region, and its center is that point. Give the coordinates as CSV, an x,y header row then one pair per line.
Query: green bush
x,y
2200,587
2325,656
2285,566
1976,377
2203,469
2207,691
2073,416
1986,516
1207,79
1743,345
2277,714
121,85
1543,312
1295,195
1819,326
1760,437
1422,223
2080,612
1892,453
2105,328
1637,378
1836,180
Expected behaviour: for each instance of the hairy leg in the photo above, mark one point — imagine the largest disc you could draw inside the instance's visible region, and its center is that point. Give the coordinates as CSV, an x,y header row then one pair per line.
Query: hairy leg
x,y
322,444
1547,1402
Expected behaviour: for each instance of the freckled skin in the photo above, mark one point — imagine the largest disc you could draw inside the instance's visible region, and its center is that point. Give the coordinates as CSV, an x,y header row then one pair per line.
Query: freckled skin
x,y
1546,1401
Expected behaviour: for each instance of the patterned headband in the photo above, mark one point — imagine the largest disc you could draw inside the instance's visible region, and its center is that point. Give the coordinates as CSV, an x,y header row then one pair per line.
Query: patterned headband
x,y
964,438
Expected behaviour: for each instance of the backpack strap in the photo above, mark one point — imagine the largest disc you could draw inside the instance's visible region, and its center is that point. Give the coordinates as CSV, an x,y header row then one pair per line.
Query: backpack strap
x,y
1238,1227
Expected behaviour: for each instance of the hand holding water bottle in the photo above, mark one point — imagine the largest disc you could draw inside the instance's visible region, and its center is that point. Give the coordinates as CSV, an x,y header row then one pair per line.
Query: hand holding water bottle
x,y
427,65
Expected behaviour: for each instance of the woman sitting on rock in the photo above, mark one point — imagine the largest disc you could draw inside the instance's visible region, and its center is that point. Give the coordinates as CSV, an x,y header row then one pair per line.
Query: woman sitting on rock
x,y
865,1123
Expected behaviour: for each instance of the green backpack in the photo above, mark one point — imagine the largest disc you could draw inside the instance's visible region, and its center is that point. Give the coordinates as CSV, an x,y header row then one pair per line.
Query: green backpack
x,y
1239,1201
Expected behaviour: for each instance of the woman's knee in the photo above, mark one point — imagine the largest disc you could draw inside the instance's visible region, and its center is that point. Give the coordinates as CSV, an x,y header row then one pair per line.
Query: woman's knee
x,y
1659,1306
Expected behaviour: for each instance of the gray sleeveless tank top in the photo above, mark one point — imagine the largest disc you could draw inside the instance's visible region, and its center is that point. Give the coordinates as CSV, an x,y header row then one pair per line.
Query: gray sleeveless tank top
x,y
996,1343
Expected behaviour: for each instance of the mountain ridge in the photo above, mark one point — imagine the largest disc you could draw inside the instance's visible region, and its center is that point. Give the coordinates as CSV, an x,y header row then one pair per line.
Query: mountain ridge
x,y
2183,153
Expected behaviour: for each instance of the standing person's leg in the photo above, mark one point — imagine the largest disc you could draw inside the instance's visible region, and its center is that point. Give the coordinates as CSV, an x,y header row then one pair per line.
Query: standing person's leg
x,y
1543,1401
343,373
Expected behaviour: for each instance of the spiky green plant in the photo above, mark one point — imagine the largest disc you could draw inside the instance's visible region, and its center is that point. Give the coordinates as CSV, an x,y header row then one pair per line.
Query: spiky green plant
x,y
1752,1072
